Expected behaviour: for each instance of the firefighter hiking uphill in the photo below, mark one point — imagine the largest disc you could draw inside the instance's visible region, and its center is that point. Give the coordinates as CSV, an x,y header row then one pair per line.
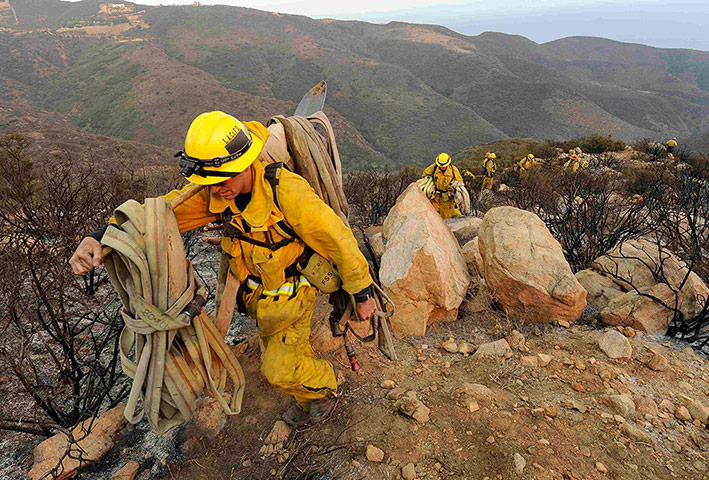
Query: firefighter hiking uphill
x,y
444,187
528,162
275,228
488,170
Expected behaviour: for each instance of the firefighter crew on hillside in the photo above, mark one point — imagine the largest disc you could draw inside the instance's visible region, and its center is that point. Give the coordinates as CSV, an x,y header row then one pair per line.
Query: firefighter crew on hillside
x,y
489,169
443,174
264,238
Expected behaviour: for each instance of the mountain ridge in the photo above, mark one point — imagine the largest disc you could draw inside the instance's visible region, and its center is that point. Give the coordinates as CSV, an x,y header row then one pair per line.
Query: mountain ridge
x,y
400,92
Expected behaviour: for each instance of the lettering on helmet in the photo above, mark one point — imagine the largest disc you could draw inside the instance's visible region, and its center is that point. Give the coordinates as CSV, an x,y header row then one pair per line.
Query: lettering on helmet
x,y
232,133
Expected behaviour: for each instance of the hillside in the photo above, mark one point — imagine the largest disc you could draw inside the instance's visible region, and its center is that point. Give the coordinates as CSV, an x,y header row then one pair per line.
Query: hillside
x,y
399,93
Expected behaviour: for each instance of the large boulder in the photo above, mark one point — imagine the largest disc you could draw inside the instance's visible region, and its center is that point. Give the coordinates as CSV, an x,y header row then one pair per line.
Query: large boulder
x,y
422,268
600,288
525,268
626,291
464,228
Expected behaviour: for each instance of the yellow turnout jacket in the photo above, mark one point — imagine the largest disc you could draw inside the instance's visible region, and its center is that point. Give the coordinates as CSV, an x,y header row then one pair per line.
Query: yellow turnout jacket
x,y
315,223
441,178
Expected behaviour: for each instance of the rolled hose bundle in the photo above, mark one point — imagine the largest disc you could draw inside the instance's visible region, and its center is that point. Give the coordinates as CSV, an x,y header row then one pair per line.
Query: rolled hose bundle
x,y
427,185
462,198
168,346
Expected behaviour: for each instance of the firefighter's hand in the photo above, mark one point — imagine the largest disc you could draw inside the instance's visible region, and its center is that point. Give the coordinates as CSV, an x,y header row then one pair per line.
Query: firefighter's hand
x,y
86,257
366,309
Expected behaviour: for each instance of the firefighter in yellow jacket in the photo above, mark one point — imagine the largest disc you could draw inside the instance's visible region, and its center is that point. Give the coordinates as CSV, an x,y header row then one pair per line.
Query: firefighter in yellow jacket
x,y
443,173
489,169
671,145
264,238
527,163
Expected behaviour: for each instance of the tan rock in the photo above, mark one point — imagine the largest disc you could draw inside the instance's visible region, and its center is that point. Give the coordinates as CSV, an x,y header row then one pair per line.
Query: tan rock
x,y
408,471
422,268
515,339
620,404
473,259
640,311
450,346
658,362
646,406
634,261
464,228
499,348
519,463
682,413
128,472
635,433
699,412
377,243
601,289
387,384
89,448
601,467
615,345
667,406
476,391
375,454
413,407
529,361
471,405
544,359
525,268
464,348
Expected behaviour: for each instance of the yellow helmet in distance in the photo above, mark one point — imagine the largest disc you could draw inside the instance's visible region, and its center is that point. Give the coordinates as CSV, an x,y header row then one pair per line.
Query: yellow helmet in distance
x,y
530,156
443,160
217,147
492,155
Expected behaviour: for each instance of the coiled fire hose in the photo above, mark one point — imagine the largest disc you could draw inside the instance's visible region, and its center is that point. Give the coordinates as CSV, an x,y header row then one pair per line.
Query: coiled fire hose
x,y
168,346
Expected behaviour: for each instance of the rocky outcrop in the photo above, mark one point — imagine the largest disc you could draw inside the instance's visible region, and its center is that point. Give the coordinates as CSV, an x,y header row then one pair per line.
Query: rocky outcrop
x,y
471,254
624,286
422,268
88,448
599,288
464,228
525,268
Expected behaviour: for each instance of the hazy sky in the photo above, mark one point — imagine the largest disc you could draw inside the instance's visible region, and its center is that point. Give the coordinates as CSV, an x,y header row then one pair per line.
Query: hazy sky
x,y
661,23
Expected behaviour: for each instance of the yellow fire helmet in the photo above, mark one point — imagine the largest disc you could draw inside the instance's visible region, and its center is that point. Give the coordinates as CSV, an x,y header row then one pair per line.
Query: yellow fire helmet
x,y
218,147
492,155
530,156
443,160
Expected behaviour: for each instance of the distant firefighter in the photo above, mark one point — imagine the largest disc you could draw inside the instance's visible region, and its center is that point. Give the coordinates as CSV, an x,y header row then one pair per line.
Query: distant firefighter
x,y
671,145
574,164
489,169
528,162
443,185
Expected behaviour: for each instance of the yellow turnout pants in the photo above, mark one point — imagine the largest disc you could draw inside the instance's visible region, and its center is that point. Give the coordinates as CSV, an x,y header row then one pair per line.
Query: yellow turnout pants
x,y
445,205
289,362
487,182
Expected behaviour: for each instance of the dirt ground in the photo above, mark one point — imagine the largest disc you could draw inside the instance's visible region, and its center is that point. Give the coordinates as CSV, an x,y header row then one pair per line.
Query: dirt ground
x,y
456,443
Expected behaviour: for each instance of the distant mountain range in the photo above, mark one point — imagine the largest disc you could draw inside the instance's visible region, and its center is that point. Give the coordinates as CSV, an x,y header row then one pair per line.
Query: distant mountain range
x,y
397,93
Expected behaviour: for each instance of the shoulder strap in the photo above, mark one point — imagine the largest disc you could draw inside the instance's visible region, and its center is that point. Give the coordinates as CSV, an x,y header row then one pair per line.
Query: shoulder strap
x,y
273,177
